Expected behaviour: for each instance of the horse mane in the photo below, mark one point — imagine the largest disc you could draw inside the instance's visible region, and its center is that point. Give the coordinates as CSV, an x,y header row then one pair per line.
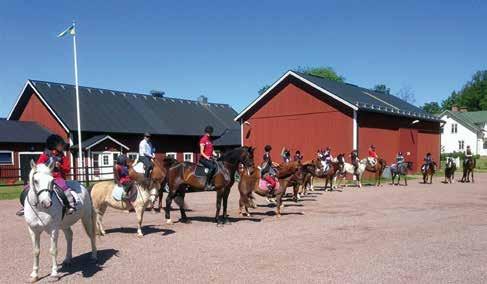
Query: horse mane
x,y
233,155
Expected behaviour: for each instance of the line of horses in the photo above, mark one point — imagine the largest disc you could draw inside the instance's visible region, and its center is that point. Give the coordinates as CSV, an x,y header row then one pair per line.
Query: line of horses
x,y
44,210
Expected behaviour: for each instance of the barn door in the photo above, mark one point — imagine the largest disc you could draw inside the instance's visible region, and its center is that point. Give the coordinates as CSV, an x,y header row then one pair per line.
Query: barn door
x,y
24,162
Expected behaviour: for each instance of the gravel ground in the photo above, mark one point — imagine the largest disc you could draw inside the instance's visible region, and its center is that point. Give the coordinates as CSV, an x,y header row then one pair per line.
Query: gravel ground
x,y
417,234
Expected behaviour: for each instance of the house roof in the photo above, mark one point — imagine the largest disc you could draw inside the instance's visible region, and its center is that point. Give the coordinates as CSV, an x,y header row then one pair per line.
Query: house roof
x,y
90,142
231,138
462,119
12,131
353,96
475,116
111,111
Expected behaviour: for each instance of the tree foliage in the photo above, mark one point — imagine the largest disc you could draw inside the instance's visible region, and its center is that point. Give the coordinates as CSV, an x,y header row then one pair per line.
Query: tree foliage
x,y
382,88
406,94
323,72
431,108
263,89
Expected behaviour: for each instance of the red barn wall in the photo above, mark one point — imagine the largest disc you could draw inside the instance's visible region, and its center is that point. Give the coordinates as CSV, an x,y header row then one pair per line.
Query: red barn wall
x,y
299,118
36,111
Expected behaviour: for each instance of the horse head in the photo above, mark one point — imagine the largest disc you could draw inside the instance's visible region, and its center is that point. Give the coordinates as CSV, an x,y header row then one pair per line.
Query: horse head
x,y
41,183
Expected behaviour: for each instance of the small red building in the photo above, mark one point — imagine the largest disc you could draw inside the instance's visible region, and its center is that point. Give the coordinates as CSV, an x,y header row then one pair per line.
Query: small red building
x,y
307,113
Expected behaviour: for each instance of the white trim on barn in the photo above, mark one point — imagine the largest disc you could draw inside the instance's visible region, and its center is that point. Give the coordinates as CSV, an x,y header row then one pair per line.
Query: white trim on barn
x,y
188,160
355,131
291,73
29,83
174,154
105,138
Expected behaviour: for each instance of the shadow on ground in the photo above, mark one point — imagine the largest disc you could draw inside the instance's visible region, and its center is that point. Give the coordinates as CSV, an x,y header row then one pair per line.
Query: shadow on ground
x,y
86,266
146,230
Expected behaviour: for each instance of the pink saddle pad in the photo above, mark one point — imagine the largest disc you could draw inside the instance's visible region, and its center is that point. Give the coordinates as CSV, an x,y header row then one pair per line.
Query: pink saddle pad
x,y
263,185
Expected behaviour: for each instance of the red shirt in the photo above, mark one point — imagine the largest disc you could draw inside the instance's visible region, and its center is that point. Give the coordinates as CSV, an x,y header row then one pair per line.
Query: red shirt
x,y
208,145
372,153
64,166
124,178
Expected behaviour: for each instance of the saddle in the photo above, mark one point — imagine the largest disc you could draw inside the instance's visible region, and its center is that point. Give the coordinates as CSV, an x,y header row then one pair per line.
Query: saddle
x,y
201,171
264,185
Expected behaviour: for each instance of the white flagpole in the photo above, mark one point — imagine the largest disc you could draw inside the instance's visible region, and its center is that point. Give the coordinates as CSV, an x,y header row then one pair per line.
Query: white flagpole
x,y
80,147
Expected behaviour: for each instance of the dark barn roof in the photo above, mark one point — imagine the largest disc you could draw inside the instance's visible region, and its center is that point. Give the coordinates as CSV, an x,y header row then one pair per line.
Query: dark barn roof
x,y
110,111
12,131
360,98
230,138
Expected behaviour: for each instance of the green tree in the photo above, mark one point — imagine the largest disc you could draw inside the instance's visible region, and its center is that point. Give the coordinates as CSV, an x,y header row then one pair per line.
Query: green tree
x,y
382,88
431,107
263,89
473,94
323,72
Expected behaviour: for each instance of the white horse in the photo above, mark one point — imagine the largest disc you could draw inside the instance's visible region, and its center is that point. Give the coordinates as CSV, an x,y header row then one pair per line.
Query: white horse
x,y
350,169
43,212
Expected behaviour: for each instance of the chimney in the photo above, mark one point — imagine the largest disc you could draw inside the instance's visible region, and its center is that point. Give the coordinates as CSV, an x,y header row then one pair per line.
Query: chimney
x,y
157,94
203,100
454,108
463,109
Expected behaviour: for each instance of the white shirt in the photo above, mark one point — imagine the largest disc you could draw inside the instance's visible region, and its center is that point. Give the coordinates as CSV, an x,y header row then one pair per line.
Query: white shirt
x,y
145,149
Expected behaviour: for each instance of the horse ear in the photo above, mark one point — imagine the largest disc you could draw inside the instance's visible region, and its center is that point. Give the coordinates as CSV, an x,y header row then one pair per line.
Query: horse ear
x,y
51,166
32,164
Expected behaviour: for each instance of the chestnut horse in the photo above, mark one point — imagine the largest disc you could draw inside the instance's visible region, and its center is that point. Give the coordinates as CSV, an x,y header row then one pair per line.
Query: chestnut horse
x,y
428,173
249,183
377,169
182,176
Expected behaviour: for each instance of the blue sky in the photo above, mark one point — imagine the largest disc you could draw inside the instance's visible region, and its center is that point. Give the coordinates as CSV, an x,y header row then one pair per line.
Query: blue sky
x,y
227,50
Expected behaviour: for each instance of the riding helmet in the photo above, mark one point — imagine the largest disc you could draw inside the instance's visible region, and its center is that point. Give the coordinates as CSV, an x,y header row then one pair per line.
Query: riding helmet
x,y
53,141
267,148
209,129
121,159
147,134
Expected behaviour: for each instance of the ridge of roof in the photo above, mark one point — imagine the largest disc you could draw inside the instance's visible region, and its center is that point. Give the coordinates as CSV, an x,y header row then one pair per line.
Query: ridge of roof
x,y
463,120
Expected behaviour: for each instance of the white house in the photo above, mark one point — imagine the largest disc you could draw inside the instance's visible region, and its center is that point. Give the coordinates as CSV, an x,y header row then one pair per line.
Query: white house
x,y
464,128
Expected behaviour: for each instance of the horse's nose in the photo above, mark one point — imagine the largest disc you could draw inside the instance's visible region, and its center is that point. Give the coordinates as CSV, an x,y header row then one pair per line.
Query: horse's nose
x,y
47,204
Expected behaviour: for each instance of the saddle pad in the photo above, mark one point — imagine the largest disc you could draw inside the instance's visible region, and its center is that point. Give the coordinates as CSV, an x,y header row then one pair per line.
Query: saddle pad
x,y
117,193
200,171
139,168
263,185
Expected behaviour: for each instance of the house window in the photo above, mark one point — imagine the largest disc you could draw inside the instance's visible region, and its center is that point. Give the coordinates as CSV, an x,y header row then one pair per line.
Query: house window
x,y
454,128
6,158
485,144
188,157
461,145
173,155
133,156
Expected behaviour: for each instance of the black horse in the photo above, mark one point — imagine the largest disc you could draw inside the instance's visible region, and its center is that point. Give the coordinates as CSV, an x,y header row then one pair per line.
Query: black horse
x,y
450,169
468,166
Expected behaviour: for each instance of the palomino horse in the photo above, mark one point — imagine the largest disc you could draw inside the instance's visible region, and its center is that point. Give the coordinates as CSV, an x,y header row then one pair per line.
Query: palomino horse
x,y
43,211
350,169
399,170
468,167
450,169
377,169
249,183
142,193
428,172
184,175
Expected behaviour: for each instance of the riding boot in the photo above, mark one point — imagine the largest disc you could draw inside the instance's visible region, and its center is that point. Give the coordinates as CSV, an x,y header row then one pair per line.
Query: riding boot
x,y
209,178
270,192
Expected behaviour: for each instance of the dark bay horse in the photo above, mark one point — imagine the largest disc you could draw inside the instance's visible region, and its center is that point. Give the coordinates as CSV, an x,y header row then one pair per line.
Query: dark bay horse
x,y
468,167
182,176
428,172
249,183
377,169
450,169
401,170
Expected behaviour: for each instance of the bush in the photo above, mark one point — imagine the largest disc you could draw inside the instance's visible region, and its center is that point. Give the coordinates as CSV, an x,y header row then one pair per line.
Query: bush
x,y
443,156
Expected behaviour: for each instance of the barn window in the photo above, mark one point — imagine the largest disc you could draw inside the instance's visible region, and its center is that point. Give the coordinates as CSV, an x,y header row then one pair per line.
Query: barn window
x,y
188,157
454,128
6,158
173,155
461,145
132,156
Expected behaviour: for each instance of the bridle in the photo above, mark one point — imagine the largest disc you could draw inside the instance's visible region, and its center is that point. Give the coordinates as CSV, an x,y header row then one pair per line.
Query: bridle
x,y
49,189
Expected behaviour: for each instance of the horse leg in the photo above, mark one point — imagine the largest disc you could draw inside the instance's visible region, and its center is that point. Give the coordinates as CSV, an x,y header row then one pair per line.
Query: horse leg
x,y
99,219
139,212
89,224
53,251
68,234
161,192
167,210
35,238
226,193
279,204
219,198
179,199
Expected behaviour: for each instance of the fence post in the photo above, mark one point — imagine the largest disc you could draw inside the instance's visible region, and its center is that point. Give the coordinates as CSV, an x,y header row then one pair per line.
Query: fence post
x,y
87,176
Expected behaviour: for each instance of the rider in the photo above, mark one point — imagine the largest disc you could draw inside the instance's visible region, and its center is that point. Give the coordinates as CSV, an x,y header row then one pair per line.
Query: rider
x,y
298,156
286,155
122,177
468,153
206,155
268,172
372,159
355,159
399,159
146,153
428,160
326,158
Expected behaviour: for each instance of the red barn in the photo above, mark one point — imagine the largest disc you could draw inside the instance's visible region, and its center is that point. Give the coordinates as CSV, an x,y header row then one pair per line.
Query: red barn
x,y
306,113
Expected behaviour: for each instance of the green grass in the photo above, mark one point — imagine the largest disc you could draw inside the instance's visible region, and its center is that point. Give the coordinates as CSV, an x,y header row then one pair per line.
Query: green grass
x,y
10,192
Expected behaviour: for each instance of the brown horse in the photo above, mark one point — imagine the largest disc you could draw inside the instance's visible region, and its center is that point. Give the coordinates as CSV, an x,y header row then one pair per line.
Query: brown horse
x,y
249,183
182,176
468,167
334,168
428,172
377,169
309,169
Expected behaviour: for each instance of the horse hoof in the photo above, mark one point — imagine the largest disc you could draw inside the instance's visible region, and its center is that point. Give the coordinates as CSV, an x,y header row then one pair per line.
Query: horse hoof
x,y
169,222
140,235
33,279
67,263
